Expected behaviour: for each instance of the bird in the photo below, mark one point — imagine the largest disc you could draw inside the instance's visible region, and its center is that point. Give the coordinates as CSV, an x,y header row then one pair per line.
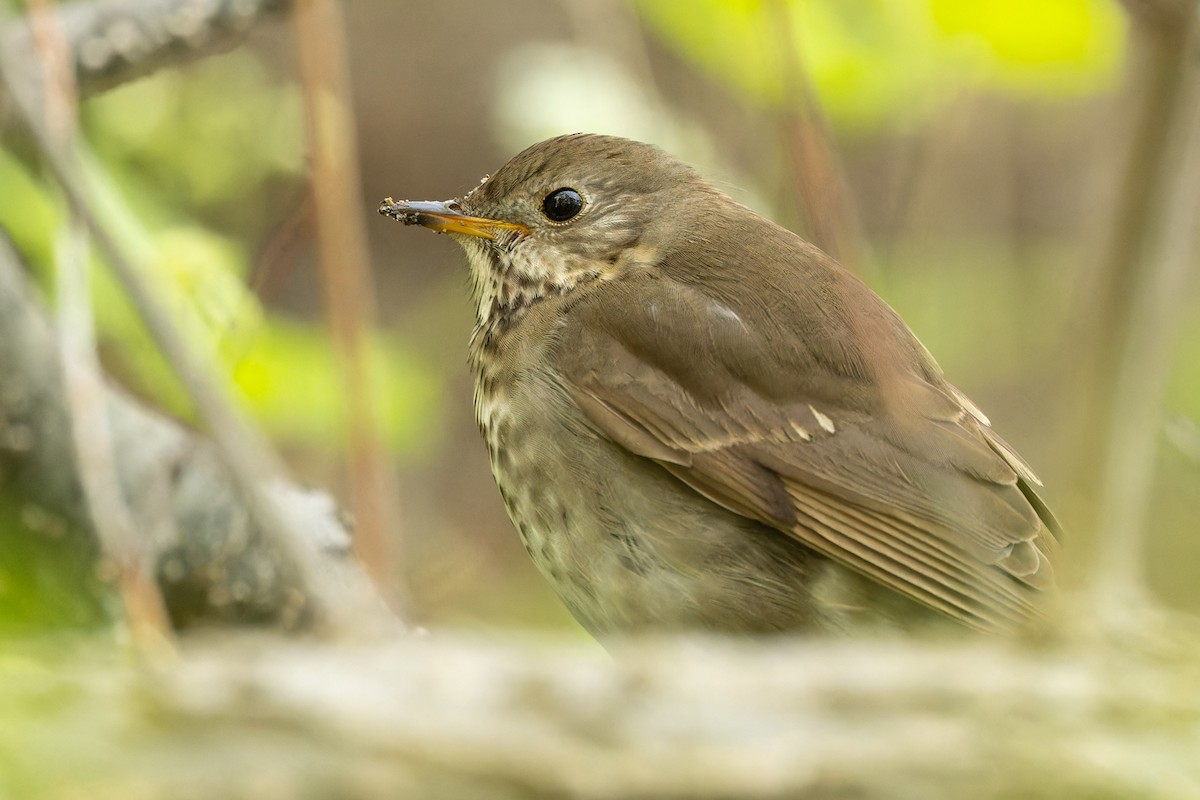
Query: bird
x,y
697,420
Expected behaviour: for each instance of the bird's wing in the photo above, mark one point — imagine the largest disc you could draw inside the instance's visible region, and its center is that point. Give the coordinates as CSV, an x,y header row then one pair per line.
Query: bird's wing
x,y
904,483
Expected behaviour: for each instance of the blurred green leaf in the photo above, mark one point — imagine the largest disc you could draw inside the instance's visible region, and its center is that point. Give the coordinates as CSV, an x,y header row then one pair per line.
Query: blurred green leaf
x,y
872,61
209,137
27,212
48,575
1051,43
289,375
178,152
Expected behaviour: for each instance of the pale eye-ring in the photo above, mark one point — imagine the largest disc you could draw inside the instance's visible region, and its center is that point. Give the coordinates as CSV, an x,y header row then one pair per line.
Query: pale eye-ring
x,y
562,204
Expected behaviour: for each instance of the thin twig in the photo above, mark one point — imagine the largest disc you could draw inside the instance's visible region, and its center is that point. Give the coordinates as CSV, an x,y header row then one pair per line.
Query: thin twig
x,y
818,183
345,268
1161,248
1161,14
1101,317
125,551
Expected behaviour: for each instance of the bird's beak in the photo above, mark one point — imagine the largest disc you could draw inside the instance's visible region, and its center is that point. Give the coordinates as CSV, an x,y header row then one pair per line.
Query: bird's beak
x,y
446,217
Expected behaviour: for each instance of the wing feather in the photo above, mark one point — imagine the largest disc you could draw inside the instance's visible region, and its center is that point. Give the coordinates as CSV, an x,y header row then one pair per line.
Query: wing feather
x,y
887,469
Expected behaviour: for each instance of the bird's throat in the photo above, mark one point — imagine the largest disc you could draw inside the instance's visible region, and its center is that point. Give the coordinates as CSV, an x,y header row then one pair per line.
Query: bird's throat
x,y
506,283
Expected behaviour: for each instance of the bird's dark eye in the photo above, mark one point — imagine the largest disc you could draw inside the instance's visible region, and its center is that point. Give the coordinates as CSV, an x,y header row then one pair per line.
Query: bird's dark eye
x,y
562,205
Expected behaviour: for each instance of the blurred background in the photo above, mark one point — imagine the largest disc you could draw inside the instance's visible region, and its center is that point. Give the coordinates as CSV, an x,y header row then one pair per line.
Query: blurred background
x,y
976,161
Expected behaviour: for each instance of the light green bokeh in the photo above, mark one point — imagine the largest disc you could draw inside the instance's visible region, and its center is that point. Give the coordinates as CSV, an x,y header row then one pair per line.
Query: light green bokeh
x,y
181,155
873,62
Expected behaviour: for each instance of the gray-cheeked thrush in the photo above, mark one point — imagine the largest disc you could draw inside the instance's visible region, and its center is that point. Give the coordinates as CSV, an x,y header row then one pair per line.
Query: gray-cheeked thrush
x,y
697,419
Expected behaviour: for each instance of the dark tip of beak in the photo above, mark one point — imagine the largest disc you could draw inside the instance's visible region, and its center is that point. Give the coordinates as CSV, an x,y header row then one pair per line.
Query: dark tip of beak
x,y
416,212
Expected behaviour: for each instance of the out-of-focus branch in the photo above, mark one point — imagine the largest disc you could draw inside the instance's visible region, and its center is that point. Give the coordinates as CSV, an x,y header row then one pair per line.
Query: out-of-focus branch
x,y
111,42
197,531
124,552
817,181
1134,315
453,718
346,273
1161,14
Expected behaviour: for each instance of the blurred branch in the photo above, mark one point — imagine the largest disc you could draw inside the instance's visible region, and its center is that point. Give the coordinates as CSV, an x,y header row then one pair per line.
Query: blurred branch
x,y
1165,15
346,272
336,606
454,718
111,42
195,526
818,183
91,435
1135,316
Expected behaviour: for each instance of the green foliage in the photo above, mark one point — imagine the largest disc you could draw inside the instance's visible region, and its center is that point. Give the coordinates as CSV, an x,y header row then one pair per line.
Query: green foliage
x,y
48,575
215,137
288,374
27,213
183,154
875,61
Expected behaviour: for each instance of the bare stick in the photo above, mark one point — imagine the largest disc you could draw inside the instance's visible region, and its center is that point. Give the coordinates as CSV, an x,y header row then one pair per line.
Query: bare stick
x,y
346,273
1165,252
818,183
125,552
110,42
